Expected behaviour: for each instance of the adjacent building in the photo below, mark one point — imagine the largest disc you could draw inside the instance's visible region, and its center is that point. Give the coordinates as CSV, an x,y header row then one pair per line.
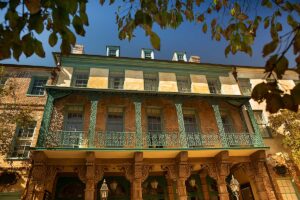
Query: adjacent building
x,y
153,129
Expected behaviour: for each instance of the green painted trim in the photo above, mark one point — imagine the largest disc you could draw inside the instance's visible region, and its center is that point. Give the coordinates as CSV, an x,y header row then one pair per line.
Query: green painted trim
x,y
148,149
257,139
182,133
158,93
142,64
33,78
92,124
138,123
220,124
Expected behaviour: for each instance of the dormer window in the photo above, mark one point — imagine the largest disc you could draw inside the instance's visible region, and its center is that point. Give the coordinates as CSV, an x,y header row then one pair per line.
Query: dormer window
x,y
179,56
113,51
147,54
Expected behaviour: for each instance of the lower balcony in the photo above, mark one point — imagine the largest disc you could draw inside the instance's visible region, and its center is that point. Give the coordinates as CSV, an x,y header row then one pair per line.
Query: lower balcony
x,y
149,140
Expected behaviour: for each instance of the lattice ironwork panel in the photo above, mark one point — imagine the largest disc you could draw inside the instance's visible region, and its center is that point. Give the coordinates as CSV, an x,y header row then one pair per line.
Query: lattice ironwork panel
x,y
239,139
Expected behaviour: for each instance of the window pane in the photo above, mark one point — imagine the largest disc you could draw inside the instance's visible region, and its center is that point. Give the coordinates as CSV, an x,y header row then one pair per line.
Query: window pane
x,y
38,86
154,124
262,124
81,78
23,141
183,84
227,124
190,124
245,86
214,86
150,82
115,122
116,80
286,189
74,119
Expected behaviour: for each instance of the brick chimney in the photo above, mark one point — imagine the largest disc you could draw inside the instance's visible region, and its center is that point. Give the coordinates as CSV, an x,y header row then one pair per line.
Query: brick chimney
x,y
194,59
78,49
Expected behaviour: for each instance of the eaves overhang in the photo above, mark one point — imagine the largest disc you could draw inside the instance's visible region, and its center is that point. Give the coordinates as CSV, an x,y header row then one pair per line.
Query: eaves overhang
x,y
236,100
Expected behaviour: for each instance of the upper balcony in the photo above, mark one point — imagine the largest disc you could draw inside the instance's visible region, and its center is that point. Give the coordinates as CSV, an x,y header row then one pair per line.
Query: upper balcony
x,y
101,72
86,119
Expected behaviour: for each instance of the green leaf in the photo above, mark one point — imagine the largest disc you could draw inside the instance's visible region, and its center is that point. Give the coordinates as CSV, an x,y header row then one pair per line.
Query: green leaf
x,y
72,6
259,92
271,63
39,50
281,67
297,44
227,50
278,27
101,2
242,16
295,92
84,18
34,6
274,103
17,51
52,39
270,47
155,41
78,26
3,5
291,21
266,22
204,28
28,45
65,47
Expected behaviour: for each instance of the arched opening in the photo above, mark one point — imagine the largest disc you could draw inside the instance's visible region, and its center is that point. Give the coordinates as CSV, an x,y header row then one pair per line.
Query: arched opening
x,y
194,187
69,187
155,188
118,188
247,186
212,188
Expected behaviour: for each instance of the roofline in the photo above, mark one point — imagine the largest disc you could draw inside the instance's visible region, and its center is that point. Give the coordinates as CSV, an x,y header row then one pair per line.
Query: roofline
x,y
28,66
165,61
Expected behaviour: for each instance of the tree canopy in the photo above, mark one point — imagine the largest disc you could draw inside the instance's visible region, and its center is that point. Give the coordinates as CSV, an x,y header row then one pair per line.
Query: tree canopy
x,y
235,21
287,124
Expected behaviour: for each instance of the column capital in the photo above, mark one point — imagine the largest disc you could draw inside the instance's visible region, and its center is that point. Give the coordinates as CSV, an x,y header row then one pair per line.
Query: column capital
x,y
94,96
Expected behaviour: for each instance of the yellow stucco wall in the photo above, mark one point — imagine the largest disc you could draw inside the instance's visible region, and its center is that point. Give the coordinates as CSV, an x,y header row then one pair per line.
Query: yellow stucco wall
x,y
229,85
98,78
167,82
65,76
133,80
199,84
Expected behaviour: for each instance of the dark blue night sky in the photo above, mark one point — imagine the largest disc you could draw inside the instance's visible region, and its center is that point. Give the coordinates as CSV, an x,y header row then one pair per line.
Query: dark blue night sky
x,y
188,37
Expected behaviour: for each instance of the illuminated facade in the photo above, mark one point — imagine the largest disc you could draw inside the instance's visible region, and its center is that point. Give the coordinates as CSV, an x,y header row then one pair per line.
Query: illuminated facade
x,y
153,129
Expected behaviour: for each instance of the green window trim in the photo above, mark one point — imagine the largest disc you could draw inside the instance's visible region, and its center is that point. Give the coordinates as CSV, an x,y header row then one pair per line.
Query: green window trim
x,y
116,80
183,83
214,85
43,80
80,77
21,143
262,124
245,86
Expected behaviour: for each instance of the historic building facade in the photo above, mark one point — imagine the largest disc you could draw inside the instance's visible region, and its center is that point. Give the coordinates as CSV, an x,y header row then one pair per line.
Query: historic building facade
x,y
153,129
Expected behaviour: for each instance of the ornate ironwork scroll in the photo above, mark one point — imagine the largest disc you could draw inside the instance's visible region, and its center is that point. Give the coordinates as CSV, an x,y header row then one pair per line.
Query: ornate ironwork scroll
x,y
220,124
257,138
182,133
92,126
138,124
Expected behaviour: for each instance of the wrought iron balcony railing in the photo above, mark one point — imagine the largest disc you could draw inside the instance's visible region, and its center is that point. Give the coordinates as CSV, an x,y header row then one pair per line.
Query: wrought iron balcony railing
x,y
129,140
66,139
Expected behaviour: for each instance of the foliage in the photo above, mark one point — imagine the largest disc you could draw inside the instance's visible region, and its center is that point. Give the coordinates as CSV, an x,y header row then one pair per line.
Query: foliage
x,y
287,124
236,22
11,112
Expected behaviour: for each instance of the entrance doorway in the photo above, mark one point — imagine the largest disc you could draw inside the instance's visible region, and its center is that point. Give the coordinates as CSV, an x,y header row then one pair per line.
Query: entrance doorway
x,y
69,188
